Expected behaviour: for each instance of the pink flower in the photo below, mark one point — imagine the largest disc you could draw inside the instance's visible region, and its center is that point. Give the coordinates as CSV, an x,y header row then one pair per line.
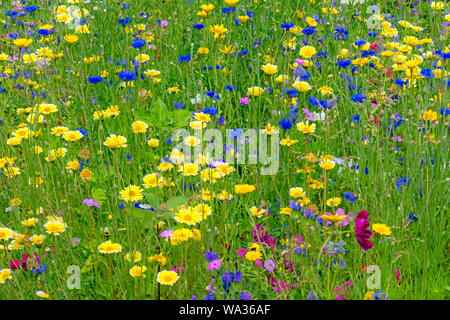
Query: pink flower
x,y
241,252
91,203
214,265
300,61
164,23
244,100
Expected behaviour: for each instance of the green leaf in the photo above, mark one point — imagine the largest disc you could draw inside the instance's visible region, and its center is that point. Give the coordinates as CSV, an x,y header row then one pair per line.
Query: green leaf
x,y
152,199
87,266
175,202
99,195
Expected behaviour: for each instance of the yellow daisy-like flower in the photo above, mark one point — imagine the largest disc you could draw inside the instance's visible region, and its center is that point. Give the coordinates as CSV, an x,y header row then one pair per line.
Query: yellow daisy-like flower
x,y
327,164
158,258
115,141
255,91
131,193
244,188
188,216
257,212
286,211
302,86
253,255
307,52
269,69
217,30
109,247
138,272
305,127
333,217
153,143
72,136
30,222
381,229
22,42
167,277
297,192
55,227
5,234
190,169
5,274
37,240
139,127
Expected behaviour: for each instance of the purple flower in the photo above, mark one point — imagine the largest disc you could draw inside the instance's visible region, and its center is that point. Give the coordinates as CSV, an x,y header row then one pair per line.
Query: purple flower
x,y
269,265
211,256
166,233
361,232
91,203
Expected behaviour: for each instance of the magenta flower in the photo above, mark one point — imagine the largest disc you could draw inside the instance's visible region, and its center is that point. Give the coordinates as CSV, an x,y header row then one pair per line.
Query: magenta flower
x,y
241,252
244,100
214,265
361,232
91,203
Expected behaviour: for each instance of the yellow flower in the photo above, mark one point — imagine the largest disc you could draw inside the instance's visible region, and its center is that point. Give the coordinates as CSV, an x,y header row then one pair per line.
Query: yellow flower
x,y
159,258
153,143
286,211
334,202
228,50
5,234
72,135
297,192
255,91
167,277
203,50
327,164
22,42
190,169
218,30
269,69
325,90
288,142
30,222
143,58
115,141
137,271
257,212
37,240
5,274
139,127
311,22
55,227
73,165
86,174
333,217
307,52
207,7
59,131
429,115
109,247
302,86
203,117
244,188
191,141
411,41
381,229
14,141
71,38
131,193
305,127
47,108
151,180
253,255
231,3
188,216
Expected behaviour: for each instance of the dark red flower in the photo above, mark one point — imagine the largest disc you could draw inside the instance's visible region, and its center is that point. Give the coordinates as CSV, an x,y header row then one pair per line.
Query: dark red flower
x,y
361,232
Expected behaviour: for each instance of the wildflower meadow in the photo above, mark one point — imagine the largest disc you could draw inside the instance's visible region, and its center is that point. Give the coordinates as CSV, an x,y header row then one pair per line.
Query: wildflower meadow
x,y
224,150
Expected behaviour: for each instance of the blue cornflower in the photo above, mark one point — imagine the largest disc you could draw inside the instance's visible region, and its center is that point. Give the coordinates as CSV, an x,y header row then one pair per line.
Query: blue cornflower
x,y
287,25
144,206
126,75
350,196
138,43
285,124
95,79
